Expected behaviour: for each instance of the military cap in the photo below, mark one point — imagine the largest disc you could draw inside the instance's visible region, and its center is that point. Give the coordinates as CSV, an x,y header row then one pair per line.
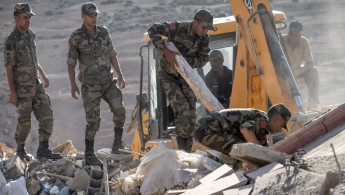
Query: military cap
x,y
283,111
89,9
296,26
24,8
206,17
216,54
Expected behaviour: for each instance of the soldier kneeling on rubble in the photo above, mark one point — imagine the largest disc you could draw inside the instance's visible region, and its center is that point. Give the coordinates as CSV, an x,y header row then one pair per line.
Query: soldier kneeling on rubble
x,y
221,130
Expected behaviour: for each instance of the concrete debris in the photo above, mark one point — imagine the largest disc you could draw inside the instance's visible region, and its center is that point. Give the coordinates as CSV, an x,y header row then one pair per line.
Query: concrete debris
x,y
163,170
80,180
339,189
14,168
256,154
263,170
246,189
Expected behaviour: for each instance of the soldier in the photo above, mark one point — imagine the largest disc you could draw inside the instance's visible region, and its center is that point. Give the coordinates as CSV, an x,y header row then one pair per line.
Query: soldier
x,y
192,40
219,78
299,52
221,130
92,46
26,90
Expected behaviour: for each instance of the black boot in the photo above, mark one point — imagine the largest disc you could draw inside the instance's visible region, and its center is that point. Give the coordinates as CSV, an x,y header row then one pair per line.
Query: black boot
x,y
22,153
184,144
43,151
90,156
117,144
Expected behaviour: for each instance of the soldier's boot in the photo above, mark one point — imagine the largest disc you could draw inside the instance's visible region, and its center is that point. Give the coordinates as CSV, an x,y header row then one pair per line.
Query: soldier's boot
x,y
22,153
117,144
43,152
90,156
184,144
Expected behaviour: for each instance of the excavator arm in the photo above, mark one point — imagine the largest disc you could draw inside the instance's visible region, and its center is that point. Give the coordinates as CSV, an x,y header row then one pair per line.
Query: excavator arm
x,y
262,74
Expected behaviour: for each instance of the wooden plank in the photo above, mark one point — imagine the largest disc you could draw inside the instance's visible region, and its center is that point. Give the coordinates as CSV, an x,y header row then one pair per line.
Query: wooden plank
x,y
233,180
105,178
216,174
263,170
195,82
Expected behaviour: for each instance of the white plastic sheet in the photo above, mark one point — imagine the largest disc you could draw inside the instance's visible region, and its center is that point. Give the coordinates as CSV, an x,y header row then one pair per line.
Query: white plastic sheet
x,y
163,168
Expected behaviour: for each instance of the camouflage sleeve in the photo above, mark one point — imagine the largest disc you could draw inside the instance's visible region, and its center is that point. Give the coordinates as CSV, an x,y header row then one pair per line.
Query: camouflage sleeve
x,y
157,30
201,57
9,53
111,50
250,125
73,53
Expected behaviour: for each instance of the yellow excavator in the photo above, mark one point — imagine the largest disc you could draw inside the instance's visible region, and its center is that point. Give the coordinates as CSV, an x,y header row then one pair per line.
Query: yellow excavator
x,y
249,41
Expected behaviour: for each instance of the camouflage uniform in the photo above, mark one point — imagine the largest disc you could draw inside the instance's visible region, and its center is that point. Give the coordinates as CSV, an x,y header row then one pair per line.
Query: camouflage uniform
x,y
96,75
195,50
220,130
20,52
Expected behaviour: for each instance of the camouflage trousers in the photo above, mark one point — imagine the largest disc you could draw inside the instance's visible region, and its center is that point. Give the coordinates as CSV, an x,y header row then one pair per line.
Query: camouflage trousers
x,y
41,107
216,138
92,95
182,101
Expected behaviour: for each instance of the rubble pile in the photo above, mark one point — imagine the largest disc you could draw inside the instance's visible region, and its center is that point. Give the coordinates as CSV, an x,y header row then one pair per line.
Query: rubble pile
x,y
250,169
65,176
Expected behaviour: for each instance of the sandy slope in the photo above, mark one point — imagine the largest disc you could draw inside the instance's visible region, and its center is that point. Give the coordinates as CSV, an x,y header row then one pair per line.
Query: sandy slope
x,y
127,21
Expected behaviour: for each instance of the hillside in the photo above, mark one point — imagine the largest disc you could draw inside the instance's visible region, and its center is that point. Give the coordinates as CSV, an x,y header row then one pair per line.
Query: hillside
x,y
127,21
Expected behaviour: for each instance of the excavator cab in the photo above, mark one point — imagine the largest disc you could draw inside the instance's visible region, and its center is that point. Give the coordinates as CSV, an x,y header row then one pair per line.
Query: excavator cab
x,y
155,119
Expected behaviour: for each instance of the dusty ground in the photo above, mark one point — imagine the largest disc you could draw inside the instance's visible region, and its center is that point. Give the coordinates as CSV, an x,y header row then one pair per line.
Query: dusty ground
x,y
127,21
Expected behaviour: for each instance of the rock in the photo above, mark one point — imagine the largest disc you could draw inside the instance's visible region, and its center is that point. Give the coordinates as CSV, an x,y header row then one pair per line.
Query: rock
x,y
80,181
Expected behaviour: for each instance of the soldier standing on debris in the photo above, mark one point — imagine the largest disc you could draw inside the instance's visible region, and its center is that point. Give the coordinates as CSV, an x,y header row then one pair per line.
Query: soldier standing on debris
x,y
26,90
298,52
221,130
219,78
92,46
192,40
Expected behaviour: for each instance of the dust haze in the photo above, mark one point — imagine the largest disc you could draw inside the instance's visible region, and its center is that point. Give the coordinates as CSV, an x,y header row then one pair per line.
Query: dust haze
x,y
127,21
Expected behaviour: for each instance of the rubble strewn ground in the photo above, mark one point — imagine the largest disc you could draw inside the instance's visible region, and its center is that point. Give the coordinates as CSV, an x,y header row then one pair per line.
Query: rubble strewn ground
x,y
168,171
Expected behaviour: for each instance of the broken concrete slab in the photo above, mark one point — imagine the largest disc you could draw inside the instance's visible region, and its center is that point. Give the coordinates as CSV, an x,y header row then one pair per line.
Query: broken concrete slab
x,y
243,190
289,181
263,170
80,181
69,169
15,168
233,180
216,174
258,154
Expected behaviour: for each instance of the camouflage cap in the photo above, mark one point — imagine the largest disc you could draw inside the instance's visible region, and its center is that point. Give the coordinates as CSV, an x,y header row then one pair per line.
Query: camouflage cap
x,y
296,26
89,9
24,8
216,54
283,111
206,17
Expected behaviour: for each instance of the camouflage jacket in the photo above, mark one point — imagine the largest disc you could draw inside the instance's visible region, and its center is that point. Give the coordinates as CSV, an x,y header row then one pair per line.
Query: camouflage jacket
x,y
231,121
193,48
20,52
93,53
